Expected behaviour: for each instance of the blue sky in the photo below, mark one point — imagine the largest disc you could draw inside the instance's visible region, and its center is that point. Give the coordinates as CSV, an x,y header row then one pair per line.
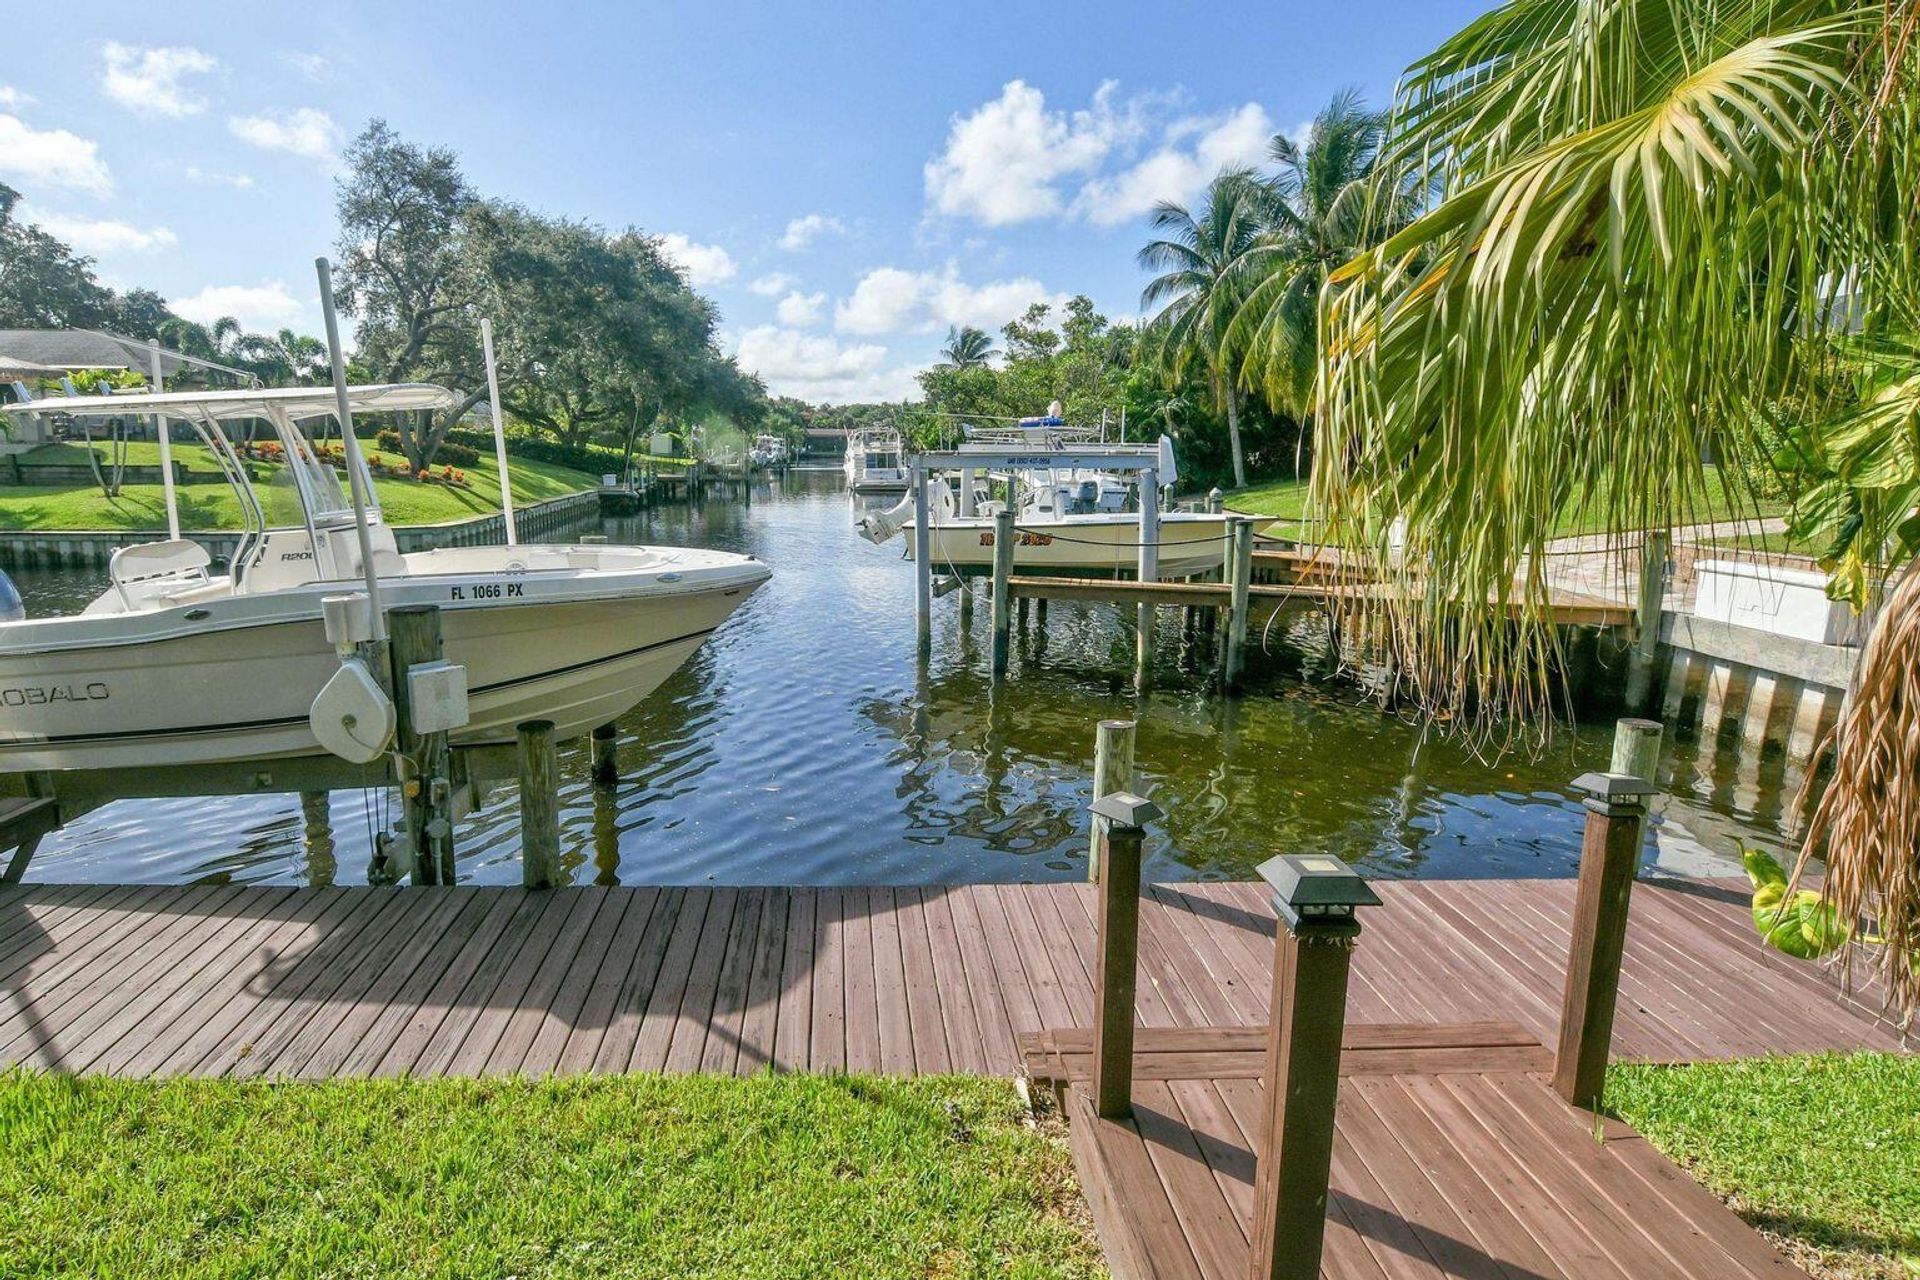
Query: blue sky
x,y
845,181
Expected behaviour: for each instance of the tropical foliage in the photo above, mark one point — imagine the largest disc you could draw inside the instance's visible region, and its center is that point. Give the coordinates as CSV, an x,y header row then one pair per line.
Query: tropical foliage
x,y
598,336
967,347
1661,230
45,285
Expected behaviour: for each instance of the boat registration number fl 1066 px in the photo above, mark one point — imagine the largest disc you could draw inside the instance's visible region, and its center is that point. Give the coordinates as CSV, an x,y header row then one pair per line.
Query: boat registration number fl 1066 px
x,y
486,591
43,695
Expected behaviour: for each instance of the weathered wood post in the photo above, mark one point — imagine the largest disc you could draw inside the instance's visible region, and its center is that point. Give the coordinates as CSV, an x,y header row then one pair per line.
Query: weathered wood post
x,y
1655,553
539,806
1149,571
606,755
1240,578
1616,805
1112,771
1123,817
1003,536
316,812
1315,897
922,563
1636,748
425,797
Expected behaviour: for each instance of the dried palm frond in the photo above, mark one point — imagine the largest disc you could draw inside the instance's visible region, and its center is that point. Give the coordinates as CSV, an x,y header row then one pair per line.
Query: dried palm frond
x,y
1867,824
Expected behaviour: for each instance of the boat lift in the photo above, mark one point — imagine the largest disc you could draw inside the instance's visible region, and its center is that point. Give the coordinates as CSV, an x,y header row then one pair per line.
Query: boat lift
x,y
1148,461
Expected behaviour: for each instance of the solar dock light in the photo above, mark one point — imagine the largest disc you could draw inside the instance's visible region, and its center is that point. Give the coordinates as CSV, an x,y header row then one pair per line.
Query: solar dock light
x,y
1126,816
1315,896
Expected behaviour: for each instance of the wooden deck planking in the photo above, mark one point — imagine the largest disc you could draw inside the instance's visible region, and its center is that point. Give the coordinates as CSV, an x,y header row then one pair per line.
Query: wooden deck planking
x,y
284,982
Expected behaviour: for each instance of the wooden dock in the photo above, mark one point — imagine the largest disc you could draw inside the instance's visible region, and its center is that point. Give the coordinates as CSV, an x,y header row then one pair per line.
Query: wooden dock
x,y
232,980
1568,608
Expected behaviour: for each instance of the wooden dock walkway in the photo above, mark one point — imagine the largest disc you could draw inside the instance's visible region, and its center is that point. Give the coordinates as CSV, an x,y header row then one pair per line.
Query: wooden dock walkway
x,y
232,980
1568,608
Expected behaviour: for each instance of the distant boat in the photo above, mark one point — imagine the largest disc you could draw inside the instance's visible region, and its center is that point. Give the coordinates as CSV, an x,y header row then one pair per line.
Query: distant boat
x,y
173,664
874,461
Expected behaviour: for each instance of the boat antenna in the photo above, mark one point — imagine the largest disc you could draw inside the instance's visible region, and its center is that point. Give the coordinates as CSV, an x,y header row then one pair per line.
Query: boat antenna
x,y
356,470
499,430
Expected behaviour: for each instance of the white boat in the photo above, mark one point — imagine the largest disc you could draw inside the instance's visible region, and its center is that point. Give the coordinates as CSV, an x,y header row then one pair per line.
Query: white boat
x,y
1069,520
874,461
768,451
175,664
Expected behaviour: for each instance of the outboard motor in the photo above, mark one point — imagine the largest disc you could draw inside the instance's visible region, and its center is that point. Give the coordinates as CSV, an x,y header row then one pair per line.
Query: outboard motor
x,y
11,609
1087,499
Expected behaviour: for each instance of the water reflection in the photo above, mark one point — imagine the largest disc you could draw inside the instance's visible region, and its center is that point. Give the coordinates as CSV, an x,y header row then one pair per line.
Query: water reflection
x,y
804,744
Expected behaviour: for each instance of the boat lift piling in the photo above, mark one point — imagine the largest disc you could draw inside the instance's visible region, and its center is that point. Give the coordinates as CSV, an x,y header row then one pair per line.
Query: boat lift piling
x,y
1003,546
1149,571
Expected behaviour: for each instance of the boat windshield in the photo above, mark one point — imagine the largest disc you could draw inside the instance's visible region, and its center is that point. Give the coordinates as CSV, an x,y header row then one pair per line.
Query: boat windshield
x,y
877,458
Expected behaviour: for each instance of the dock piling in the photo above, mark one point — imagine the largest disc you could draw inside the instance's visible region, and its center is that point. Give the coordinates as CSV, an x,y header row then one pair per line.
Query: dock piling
x,y
1240,578
606,755
1616,807
1112,771
1149,571
539,806
426,807
1315,897
1122,817
1655,553
922,563
1003,536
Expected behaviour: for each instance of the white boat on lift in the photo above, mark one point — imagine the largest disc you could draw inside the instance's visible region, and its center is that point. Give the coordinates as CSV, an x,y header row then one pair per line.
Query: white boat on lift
x,y
1069,518
874,462
176,664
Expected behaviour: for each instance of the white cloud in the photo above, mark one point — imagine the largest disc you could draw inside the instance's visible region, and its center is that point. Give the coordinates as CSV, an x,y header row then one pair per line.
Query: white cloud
x,y
51,158
816,367
1003,163
105,235
12,97
1178,170
892,300
311,65
151,81
773,284
704,264
800,310
802,232
304,131
267,305
210,178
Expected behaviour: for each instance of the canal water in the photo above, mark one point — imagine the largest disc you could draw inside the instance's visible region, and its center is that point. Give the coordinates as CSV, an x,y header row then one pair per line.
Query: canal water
x,y
804,744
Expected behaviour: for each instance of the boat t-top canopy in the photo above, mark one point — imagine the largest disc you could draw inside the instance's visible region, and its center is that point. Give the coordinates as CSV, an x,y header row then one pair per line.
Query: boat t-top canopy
x,y
293,403
1123,458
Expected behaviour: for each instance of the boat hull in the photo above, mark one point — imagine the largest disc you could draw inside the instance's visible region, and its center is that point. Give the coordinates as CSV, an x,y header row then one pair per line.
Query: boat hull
x,y
1189,544
242,692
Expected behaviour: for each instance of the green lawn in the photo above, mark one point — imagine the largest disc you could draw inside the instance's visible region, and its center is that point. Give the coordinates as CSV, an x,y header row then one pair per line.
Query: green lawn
x,y
213,505
1822,1151
1287,499
772,1176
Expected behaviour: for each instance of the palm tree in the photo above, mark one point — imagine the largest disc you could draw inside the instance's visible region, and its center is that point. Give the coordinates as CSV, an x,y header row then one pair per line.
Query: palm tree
x,y
967,348
1330,202
1644,212
1203,282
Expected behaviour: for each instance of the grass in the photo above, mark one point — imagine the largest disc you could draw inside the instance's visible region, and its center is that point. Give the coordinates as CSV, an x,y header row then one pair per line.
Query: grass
x,y
1820,1151
1287,500
214,506
636,1176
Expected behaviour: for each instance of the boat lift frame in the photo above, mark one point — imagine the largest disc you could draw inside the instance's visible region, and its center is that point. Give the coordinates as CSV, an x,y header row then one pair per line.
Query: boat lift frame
x,y
1141,460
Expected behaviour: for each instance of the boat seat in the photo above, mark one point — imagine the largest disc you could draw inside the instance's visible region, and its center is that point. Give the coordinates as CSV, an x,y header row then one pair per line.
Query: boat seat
x,y
144,572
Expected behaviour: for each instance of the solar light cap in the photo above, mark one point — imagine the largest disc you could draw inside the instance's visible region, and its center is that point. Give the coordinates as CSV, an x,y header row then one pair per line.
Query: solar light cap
x,y
1123,808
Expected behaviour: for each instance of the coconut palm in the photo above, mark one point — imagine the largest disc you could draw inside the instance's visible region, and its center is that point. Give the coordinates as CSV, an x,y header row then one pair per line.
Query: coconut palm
x,y
1331,201
967,347
1644,210
1203,282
